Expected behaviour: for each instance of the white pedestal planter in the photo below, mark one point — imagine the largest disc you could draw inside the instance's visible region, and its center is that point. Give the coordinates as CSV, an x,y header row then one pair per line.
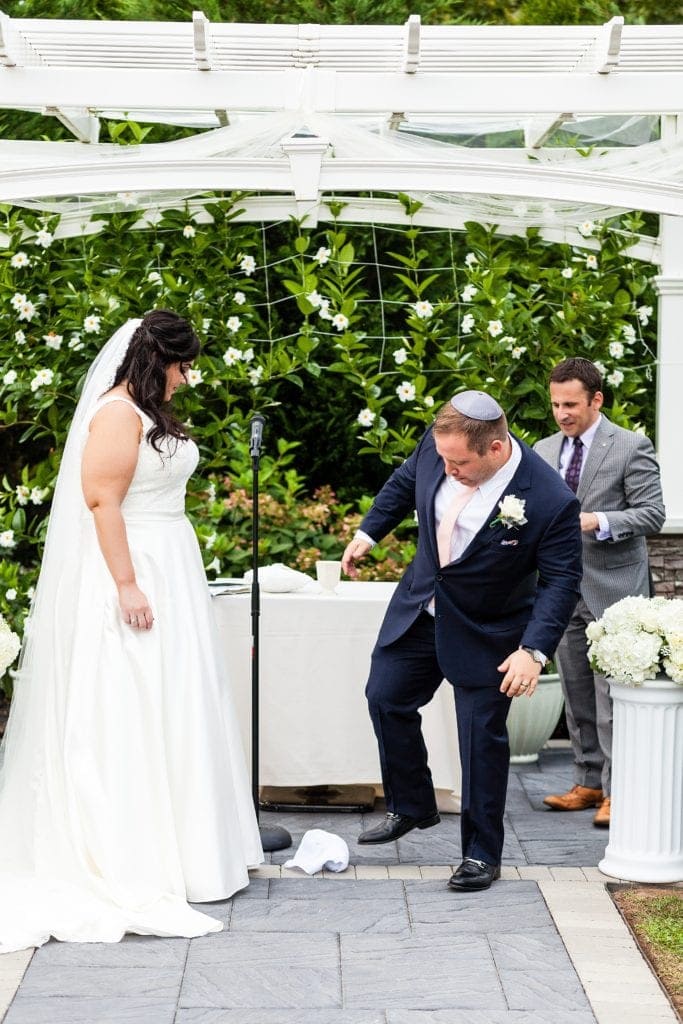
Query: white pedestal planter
x,y
531,721
646,829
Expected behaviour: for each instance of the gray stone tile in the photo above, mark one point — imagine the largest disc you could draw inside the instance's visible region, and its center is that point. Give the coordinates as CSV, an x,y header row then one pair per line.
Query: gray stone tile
x,y
256,890
279,1016
221,911
430,847
517,950
385,971
132,951
301,821
506,906
329,915
489,1017
245,971
578,852
329,889
547,824
101,982
535,990
90,1010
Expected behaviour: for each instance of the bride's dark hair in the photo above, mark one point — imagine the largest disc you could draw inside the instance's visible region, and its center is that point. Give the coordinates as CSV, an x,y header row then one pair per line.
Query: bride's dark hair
x,y
163,338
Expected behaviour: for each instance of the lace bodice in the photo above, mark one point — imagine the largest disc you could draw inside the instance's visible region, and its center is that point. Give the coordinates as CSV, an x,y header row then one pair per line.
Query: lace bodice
x,y
157,489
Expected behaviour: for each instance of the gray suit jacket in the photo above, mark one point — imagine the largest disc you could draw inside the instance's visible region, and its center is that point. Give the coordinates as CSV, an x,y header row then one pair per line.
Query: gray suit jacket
x,y
621,479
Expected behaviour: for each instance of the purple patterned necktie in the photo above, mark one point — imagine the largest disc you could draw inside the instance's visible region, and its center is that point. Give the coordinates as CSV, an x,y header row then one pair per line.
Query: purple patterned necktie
x,y
573,474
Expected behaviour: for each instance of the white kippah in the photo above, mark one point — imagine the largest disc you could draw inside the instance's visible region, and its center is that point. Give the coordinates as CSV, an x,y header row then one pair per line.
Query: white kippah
x,y
477,405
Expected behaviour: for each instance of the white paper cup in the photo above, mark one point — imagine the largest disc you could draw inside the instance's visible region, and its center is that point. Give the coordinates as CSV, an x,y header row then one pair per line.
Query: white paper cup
x,y
328,575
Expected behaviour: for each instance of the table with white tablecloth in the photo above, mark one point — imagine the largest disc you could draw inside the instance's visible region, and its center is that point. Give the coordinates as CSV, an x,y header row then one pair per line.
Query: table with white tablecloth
x,y
314,662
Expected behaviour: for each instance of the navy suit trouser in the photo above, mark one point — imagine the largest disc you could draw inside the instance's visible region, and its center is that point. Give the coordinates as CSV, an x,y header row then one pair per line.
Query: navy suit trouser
x,y
404,676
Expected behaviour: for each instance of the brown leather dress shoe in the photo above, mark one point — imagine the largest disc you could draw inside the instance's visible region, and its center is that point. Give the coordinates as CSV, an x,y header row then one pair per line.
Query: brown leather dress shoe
x,y
601,819
577,799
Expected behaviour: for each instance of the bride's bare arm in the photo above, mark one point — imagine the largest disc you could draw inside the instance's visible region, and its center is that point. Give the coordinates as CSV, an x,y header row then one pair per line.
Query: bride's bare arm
x,y
109,461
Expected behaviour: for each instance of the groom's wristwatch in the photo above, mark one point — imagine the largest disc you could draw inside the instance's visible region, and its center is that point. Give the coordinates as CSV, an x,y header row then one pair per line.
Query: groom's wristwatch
x,y
538,656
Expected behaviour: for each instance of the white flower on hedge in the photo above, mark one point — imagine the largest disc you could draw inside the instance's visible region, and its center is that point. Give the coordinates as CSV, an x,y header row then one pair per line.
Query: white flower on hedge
x,y
42,379
429,401
239,298
509,341
591,262
206,323
10,377
467,324
231,356
53,340
600,367
19,260
255,375
194,377
210,540
518,351
324,310
233,323
340,321
247,355
322,255
366,417
616,349
567,273
214,566
406,391
113,302
423,309
17,300
468,293
20,337
615,378
154,277
11,594
91,324
7,539
471,259
400,355
629,332
44,238
495,327
75,343
586,228
23,494
27,311
38,495
644,314
560,314
189,231
315,299
248,265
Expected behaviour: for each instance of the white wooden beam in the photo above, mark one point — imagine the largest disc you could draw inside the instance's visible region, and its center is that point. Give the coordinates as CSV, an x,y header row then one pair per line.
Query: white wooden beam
x,y
539,129
504,94
201,40
7,58
608,46
670,370
83,125
411,44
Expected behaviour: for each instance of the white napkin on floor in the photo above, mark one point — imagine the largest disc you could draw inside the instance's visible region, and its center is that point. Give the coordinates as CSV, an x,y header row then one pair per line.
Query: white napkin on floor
x,y
319,849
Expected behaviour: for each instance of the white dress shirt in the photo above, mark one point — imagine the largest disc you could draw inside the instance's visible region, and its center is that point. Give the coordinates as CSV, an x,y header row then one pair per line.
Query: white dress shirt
x,y
587,438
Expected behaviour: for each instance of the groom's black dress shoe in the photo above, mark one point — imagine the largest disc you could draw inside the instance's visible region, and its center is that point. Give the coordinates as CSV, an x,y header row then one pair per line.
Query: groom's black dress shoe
x,y
394,826
473,875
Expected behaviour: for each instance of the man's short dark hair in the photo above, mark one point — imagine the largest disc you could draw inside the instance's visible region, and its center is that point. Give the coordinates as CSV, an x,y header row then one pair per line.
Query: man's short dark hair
x,y
578,368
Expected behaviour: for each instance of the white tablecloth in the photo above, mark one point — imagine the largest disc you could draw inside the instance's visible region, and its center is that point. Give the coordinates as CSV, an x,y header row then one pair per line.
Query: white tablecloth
x,y
314,661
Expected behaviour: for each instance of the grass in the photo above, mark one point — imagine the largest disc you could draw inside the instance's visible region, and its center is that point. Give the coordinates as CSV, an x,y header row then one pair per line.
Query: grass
x,y
655,916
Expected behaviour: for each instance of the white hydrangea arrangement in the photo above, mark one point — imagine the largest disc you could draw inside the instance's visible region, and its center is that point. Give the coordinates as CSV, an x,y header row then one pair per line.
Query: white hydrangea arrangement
x,y
638,638
9,646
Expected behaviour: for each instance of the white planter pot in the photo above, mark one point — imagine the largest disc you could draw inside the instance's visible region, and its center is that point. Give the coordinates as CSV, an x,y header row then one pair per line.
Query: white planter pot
x,y
646,827
531,721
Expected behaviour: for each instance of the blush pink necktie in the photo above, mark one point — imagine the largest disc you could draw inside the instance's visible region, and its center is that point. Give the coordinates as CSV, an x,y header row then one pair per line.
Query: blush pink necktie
x,y
445,532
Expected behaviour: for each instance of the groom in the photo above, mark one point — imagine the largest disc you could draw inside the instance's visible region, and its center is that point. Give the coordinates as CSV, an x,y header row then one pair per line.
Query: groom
x,y
484,603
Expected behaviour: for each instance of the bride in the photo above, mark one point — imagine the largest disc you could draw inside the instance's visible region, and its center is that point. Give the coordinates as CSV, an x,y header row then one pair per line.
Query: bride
x,y
123,788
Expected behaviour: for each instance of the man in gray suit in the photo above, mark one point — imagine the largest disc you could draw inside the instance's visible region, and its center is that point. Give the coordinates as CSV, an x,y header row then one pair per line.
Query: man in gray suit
x,y
615,476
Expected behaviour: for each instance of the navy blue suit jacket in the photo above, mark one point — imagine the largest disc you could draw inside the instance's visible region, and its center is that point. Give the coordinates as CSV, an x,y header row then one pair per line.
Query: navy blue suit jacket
x,y
497,595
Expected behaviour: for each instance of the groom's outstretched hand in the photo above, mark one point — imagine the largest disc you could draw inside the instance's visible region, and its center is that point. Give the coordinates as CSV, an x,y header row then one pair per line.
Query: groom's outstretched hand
x,y
521,674
354,551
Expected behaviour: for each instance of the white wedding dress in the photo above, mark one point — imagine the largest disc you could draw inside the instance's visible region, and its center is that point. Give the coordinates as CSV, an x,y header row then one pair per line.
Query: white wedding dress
x,y
125,792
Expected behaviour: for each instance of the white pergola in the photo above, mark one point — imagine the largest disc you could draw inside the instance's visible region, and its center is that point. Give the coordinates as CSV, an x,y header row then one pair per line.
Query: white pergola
x,y
295,114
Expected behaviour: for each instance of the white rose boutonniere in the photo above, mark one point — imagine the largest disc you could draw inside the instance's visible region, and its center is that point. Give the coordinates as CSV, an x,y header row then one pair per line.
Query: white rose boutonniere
x,y
511,512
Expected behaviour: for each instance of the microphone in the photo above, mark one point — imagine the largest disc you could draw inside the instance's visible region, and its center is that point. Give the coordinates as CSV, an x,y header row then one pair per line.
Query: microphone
x,y
256,437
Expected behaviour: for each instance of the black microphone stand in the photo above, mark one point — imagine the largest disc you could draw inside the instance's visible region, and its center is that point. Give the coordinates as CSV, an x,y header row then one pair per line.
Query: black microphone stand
x,y
273,837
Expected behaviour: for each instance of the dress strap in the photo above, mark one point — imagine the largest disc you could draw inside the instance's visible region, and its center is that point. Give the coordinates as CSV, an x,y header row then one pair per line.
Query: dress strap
x,y
118,398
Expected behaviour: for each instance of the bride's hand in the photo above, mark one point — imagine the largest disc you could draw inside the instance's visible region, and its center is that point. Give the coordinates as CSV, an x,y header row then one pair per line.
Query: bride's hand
x,y
134,607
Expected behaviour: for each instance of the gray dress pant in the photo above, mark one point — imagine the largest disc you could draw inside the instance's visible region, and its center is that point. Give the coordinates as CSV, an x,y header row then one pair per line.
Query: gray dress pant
x,y
588,705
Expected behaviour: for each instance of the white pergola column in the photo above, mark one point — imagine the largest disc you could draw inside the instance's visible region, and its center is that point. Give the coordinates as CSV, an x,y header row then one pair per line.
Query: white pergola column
x,y
669,286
